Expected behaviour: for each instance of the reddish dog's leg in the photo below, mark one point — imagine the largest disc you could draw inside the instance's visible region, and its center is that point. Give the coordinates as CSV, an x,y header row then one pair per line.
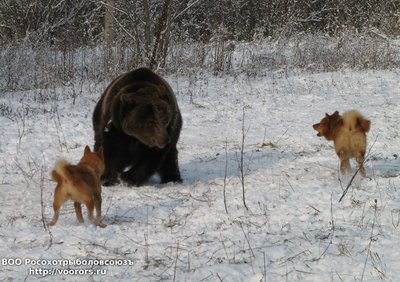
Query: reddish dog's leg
x,y
90,207
78,211
97,205
59,199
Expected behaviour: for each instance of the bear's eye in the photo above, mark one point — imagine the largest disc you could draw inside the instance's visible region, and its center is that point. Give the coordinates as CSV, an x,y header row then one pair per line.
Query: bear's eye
x,y
159,110
150,124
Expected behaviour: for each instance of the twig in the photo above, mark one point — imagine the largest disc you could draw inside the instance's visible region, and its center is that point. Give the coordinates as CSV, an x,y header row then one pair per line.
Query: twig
x,y
187,8
395,222
332,219
109,205
27,175
42,206
265,269
370,239
42,209
223,245
242,161
247,240
116,20
176,261
287,180
283,134
331,234
22,132
146,251
348,185
60,132
225,175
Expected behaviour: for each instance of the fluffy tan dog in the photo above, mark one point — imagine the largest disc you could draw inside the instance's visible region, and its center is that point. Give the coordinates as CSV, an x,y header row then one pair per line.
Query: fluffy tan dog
x,y
348,134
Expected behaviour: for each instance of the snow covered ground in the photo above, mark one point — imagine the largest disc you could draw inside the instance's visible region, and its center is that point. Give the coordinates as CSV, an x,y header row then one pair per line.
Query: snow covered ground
x,y
295,228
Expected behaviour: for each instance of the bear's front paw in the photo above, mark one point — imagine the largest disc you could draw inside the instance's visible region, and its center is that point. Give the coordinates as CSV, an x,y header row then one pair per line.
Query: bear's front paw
x,y
131,180
171,178
109,181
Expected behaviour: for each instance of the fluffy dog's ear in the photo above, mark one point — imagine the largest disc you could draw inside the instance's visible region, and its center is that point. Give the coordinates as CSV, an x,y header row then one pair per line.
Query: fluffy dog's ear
x,y
326,115
364,124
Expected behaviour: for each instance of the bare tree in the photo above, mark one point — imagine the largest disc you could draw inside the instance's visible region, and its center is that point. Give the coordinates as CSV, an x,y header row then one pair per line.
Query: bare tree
x,y
109,22
160,27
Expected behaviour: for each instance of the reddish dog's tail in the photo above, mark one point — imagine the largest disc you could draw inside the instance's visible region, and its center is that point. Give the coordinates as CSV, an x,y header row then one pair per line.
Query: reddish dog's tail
x,y
59,172
353,120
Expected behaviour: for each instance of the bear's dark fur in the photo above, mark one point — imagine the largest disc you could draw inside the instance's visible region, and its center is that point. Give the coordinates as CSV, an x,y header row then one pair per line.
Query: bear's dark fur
x,y
138,123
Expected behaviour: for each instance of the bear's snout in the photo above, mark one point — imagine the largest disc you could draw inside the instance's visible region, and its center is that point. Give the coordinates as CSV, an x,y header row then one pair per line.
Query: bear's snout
x,y
161,144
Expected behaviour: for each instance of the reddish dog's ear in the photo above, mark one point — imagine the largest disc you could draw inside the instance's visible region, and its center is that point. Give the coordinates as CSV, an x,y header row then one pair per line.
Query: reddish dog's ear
x,y
326,115
336,113
87,150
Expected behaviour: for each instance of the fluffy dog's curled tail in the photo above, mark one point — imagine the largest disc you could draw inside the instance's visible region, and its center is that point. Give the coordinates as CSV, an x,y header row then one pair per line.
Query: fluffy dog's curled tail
x,y
59,171
353,120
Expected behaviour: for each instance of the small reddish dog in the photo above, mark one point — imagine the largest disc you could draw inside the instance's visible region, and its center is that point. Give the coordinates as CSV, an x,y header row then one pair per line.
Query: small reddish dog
x,y
348,134
80,183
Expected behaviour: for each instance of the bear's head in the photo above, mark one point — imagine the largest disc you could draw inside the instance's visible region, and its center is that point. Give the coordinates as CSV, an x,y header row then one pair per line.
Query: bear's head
x,y
145,115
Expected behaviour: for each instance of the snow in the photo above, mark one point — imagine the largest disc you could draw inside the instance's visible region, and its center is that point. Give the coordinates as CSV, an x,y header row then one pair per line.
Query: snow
x,y
295,228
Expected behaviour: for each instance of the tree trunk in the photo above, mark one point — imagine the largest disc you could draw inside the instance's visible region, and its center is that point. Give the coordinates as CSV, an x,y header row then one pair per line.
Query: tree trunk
x,y
161,24
109,23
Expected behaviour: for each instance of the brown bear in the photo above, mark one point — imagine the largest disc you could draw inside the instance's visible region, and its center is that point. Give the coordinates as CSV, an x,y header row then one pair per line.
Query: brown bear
x,y
138,123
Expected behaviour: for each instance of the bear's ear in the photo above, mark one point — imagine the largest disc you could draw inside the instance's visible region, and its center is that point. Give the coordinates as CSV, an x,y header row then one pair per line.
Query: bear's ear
x,y
127,98
100,152
162,91
162,88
